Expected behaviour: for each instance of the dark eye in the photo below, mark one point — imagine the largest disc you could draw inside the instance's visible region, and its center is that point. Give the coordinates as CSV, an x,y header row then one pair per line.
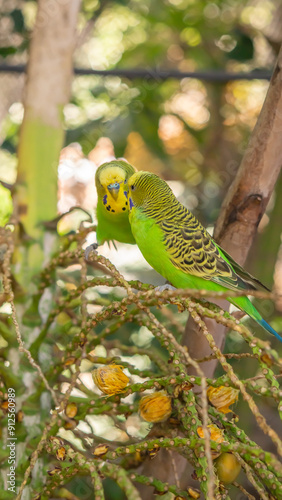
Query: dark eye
x,y
132,187
125,181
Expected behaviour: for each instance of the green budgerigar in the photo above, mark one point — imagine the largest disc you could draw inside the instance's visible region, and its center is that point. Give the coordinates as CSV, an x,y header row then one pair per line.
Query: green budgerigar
x,y
111,181
176,245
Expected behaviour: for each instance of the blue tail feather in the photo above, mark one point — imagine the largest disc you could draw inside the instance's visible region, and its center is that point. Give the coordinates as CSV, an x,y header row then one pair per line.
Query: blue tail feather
x,y
248,307
268,328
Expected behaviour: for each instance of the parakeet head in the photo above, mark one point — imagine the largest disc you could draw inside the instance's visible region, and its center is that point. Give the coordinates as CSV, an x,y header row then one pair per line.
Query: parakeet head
x,y
147,190
111,181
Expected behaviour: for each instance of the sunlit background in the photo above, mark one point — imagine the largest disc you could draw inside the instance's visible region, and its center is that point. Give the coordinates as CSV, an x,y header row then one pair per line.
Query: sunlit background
x,y
189,131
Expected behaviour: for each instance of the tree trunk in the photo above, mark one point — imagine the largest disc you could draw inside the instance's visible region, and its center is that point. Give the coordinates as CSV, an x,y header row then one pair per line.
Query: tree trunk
x,y
41,138
245,202
235,230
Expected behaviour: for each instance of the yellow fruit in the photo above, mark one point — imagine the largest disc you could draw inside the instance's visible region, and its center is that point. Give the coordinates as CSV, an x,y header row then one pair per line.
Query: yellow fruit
x,y
227,467
100,450
222,397
71,410
110,379
155,407
61,453
216,435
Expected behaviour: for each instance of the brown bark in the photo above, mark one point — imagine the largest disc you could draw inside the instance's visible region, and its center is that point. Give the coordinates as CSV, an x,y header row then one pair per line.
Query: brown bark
x,y
50,65
267,243
245,202
47,90
249,194
236,227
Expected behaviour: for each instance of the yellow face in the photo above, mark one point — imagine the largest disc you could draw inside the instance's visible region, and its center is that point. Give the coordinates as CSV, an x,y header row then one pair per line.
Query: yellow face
x,y
113,180
141,188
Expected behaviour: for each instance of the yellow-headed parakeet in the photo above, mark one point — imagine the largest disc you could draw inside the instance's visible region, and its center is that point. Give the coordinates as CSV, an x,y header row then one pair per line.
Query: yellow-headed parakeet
x,y
111,181
176,245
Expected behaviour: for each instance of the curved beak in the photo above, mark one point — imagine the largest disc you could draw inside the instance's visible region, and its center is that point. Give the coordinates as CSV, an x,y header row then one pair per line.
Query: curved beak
x,y
114,189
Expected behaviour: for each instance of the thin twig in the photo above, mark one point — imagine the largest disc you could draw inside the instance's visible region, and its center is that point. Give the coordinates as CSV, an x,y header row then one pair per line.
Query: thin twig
x,y
10,298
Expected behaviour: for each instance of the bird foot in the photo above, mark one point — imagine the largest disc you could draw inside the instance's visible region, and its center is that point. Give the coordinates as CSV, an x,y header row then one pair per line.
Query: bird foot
x,y
164,287
91,248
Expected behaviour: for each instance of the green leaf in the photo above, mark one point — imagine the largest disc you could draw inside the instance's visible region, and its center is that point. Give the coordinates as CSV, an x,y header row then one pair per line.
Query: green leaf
x,y
31,316
244,49
7,51
18,19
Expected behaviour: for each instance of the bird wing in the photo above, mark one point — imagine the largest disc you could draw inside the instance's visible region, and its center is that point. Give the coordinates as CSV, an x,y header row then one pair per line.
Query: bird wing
x,y
193,251
247,277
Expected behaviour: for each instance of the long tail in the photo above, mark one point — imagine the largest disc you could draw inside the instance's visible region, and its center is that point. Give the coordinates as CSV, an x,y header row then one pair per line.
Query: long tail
x,y
269,328
246,305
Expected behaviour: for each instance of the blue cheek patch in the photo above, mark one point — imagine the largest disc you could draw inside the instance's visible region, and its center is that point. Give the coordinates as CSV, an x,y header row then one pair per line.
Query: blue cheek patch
x,y
131,204
105,199
125,194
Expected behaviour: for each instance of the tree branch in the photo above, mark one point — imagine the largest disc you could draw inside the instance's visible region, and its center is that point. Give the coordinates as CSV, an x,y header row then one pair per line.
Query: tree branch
x,y
249,194
246,201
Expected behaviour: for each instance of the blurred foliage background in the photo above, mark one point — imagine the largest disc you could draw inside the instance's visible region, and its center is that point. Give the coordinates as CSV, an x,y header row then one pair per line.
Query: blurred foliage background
x,y
190,131
187,130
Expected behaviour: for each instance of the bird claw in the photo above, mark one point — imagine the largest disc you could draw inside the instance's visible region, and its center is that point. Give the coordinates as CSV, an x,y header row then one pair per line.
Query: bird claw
x,y
164,287
91,248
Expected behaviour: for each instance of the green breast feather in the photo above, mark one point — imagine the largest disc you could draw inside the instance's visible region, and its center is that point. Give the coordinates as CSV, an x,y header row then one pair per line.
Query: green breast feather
x,y
176,245
112,227
111,181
